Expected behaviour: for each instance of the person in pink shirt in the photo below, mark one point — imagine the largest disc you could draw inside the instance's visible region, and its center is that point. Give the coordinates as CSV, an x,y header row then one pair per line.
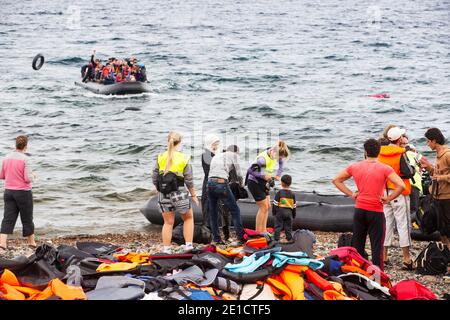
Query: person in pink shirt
x,y
18,197
370,177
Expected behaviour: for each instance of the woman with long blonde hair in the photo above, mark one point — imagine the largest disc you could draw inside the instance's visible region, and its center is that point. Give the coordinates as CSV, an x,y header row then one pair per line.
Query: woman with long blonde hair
x,y
173,177
260,176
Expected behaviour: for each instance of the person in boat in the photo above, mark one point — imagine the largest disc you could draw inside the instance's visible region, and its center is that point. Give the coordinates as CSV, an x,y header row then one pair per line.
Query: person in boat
x,y
172,175
370,176
108,75
260,179
89,74
98,72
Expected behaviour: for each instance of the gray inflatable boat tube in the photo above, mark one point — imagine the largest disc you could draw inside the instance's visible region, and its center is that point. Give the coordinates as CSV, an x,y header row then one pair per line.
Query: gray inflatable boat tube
x,y
121,88
322,215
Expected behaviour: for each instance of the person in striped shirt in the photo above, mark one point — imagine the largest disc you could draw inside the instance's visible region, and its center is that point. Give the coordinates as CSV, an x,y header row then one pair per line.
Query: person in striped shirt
x,y
284,209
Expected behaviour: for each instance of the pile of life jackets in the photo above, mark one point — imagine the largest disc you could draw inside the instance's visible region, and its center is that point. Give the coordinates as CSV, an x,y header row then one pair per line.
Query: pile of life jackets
x,y
259,270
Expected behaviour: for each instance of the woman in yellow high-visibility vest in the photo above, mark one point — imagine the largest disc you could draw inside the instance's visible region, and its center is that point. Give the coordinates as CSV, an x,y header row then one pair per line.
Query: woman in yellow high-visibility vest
x,y
172,172
260,174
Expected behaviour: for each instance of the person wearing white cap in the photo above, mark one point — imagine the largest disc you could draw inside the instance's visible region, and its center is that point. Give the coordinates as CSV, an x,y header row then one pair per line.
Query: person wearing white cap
x,y
211,146
397,212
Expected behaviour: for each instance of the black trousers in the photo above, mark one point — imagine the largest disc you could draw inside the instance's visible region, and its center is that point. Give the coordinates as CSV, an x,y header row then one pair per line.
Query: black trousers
x,y
205,213
283,221
414,199
373,224
444,217
18,201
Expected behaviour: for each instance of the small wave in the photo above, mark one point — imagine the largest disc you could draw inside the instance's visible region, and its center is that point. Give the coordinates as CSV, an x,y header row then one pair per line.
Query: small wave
x,y
259,109
133,109
424,81
379,45
87,41
90,178
388,68
336,58
137,194
68,61
41,13
55,114
441,106
390,110
334,150
394,79
131,149
296,149
42,200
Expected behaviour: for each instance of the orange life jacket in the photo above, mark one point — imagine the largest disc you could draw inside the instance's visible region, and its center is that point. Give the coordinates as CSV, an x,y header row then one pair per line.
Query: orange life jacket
x,y
390,155
231,252
289,285
355,269
258,243
334,295
320,282
11,289
279,288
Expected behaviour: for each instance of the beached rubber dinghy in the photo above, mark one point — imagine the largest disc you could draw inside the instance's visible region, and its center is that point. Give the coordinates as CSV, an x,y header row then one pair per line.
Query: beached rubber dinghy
x,y
121,88
314,212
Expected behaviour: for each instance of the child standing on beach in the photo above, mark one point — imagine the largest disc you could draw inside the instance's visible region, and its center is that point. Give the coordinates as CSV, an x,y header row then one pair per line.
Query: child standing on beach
x,y
284,209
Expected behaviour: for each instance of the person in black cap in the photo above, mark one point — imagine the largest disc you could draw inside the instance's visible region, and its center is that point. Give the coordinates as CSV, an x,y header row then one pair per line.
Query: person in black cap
x,y
284,209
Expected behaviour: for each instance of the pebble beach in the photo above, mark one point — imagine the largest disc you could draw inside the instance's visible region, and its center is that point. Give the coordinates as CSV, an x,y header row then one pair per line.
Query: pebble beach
x,y
150,242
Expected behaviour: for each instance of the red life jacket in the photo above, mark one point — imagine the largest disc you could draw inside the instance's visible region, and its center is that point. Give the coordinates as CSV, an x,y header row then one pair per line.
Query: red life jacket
x,y
351,257
411,290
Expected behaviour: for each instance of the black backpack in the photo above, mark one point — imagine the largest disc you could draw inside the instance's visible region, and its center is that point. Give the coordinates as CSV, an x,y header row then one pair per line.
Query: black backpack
x,y
433,260
345,240
428,214
167,183
407,171
201,234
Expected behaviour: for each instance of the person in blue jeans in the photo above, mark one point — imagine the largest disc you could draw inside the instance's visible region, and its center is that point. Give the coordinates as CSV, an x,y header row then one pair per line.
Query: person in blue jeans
x,y
219,188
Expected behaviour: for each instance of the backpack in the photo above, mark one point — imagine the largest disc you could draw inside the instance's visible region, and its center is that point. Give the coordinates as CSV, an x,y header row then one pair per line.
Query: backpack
x,y
411,290
428,214
433,260
167,183
238,191
407,171
201,234
345,240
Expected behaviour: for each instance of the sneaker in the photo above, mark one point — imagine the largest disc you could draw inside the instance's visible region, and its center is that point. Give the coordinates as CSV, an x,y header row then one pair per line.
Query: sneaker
x,y
237,243
167,250
187,247
447,277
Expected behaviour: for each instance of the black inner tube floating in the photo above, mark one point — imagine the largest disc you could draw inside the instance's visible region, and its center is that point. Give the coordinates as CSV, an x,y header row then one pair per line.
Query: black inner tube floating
x,y
38,61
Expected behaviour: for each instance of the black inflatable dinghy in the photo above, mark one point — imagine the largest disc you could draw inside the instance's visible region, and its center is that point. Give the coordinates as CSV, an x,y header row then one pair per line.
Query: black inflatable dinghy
x,y
324,213
121,88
